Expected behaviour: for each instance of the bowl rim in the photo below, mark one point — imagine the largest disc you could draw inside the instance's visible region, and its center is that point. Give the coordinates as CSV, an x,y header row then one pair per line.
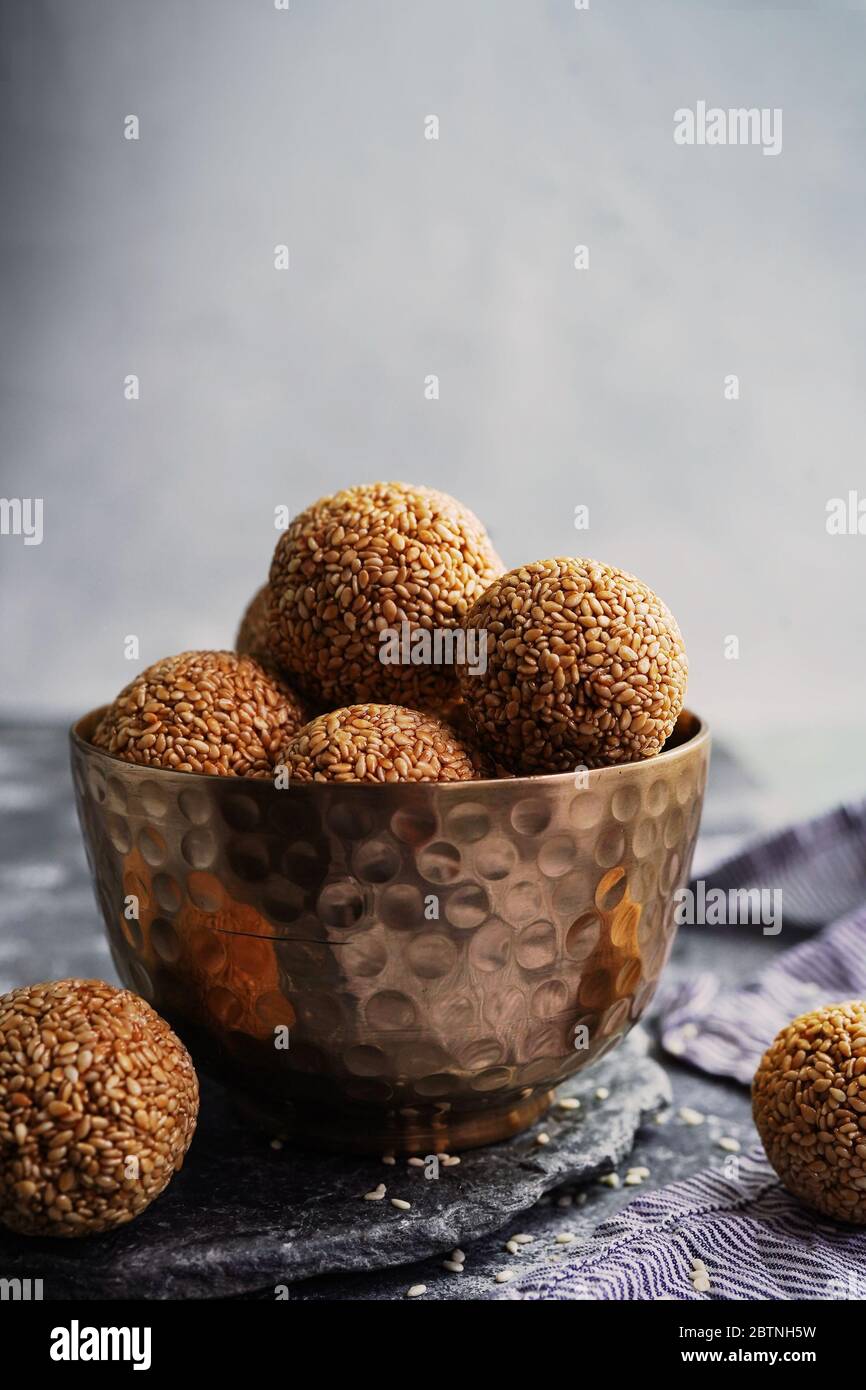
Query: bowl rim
x,y
695,741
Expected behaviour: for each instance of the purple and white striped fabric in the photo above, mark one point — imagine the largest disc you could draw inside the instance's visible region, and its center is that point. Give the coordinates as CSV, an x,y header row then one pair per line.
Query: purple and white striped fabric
x,y
818,868
756,1240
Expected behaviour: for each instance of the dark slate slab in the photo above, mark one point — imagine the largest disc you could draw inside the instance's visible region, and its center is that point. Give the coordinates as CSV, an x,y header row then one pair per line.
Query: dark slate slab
x,y
243,1217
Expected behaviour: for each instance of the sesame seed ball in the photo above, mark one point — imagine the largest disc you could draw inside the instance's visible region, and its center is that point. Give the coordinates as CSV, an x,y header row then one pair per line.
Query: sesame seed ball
x,y
585,666
98,1105
809,1104
252,638
378,743
213,712
365,560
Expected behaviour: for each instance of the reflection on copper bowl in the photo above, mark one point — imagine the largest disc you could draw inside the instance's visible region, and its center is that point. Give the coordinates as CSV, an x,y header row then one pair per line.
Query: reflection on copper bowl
x,y
407,967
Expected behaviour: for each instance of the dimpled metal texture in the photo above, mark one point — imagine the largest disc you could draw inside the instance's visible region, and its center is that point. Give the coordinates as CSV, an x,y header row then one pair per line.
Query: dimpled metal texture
x,y
404,967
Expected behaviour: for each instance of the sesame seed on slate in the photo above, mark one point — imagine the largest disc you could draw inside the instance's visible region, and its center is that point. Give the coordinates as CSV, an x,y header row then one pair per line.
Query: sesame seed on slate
x,y
690,1116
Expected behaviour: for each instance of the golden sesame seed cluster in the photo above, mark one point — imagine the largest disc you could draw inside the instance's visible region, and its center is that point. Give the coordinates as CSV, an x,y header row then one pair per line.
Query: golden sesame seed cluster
x,y
365,560
809,1104
585,665
212,712
379,743
98,1105
387,603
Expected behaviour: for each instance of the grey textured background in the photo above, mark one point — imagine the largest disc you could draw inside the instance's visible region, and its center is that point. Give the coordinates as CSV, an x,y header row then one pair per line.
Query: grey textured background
x,y
410,257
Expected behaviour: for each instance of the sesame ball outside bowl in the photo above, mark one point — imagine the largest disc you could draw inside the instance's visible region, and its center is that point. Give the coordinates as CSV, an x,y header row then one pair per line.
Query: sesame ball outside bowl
x,y
98,1106
211,712
809,1104
378,743
585,666
368,560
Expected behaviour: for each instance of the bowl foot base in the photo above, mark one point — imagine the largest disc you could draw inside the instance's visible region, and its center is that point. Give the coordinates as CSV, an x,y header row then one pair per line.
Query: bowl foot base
x,y
398,1133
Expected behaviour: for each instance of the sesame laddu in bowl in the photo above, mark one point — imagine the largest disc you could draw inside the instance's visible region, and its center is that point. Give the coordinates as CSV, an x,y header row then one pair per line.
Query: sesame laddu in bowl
x,y
372,560
212,712
809,1104
585,666
379,743
252,634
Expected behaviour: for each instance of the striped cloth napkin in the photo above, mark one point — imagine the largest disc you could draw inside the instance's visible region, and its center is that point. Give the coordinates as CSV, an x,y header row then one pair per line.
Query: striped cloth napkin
x,y
759,1243
763,1243
819,869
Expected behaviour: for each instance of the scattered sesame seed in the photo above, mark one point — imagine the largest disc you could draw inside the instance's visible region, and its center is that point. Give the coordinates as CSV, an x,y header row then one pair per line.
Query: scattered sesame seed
x,y
453,1266
635,1176
610,1180
565,1238
731,1146
416,1290
400,1204
458,1256
389,1159
449,1160
377,1193
542,1139
565,1201
504,1275
523,1239
276,1144
690,1116
568,1103
512,1247
701,1284
415,1162
602,1093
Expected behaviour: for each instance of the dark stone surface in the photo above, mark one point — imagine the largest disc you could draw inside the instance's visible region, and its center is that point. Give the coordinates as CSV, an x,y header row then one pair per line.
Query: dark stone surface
x,y
242,1218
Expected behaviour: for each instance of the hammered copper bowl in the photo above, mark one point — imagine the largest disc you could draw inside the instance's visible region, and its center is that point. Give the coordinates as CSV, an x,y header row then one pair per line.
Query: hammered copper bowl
x,y
404,968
